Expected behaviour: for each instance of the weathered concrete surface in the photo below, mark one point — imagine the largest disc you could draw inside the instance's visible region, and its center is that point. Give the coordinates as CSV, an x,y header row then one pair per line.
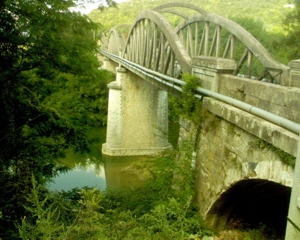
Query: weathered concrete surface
x,y
295,73
277,136
137,117
294,210
109,65
214,75
209,70
114,116
280,100
224,155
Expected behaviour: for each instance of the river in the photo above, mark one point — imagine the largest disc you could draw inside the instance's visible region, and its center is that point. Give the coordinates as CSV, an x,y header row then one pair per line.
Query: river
x,y
95,170
85,169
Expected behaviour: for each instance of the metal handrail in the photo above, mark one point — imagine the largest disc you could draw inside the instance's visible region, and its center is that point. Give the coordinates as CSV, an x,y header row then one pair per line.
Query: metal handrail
x,y
177,84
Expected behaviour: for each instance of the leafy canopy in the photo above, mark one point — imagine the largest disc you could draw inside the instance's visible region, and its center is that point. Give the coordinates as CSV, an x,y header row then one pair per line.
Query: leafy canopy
x,y
43,44
292,26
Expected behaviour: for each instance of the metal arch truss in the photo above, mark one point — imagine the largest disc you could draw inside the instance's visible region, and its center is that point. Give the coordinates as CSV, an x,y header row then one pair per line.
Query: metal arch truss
x,y
153,43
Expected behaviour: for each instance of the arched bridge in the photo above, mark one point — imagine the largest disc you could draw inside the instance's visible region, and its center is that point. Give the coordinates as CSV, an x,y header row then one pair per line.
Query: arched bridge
x,y
250,105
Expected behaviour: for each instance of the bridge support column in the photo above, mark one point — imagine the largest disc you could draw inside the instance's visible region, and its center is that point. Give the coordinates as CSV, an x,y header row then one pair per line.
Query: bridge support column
x,y
109,65
137,121
113,131
208,69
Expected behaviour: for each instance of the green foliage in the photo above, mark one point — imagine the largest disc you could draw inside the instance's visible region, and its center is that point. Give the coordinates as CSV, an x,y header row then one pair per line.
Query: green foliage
x,y
71,215
42,223
87,223
44,46
81,100
292,26
154,210
270,12
188,106
284,157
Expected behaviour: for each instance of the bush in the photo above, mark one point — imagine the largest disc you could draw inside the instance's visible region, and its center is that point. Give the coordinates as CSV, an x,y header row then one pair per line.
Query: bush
x,y
154,210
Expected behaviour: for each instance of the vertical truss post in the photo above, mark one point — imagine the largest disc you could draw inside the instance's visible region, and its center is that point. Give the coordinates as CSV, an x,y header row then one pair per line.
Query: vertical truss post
x,y
206,38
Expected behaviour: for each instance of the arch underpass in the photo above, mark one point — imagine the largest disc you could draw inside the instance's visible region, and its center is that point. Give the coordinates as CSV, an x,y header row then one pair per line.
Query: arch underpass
x,y
251,203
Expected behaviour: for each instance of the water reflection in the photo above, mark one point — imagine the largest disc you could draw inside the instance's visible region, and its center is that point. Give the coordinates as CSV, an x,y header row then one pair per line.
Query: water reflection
x,y
85,169
95,170
131,171
128,171
78,177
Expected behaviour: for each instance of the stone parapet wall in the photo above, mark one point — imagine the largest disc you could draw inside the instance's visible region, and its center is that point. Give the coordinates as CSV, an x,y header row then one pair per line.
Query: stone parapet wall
x,y
209,69
215,74
280,100
269,132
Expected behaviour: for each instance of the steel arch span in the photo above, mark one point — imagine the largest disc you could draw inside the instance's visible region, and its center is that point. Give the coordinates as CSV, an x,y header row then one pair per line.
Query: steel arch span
x,y
154,43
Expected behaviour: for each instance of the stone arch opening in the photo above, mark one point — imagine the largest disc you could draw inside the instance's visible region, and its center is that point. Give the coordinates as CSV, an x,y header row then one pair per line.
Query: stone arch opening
x,y
249,204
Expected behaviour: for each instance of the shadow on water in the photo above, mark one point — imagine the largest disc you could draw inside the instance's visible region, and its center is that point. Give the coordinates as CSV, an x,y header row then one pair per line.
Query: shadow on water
x,y
128,171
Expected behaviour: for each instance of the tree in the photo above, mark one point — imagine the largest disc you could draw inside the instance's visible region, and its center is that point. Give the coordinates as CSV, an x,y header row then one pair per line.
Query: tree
x,y
292,26
42,44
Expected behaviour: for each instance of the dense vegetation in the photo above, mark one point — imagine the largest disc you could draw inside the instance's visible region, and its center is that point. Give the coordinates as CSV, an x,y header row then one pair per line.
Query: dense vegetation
x,y
52,90
49,80
155,210
270,13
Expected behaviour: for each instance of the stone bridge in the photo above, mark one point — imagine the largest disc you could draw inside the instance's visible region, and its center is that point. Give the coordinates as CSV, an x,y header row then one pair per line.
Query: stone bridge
x,y
250,110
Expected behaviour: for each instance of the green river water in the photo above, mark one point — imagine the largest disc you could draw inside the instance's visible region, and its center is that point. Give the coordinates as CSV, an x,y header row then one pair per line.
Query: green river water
x,y
95,170
85,169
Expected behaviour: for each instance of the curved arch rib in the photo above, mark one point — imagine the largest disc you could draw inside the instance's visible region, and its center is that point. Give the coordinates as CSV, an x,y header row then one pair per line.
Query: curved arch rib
x,y
153,43
116,40
253,47
157,48
180,4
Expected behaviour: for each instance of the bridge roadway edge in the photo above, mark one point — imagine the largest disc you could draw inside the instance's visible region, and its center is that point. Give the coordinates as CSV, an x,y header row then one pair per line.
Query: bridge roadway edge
x,y
271,133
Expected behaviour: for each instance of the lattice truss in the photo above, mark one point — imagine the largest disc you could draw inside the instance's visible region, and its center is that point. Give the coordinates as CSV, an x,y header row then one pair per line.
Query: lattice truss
x,y
153,43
